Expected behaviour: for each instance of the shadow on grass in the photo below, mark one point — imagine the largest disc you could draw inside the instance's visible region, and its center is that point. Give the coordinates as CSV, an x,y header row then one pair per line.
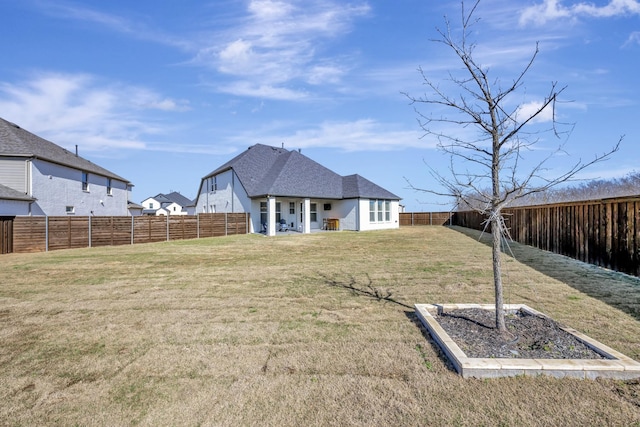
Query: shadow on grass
x,y
368,290
618,290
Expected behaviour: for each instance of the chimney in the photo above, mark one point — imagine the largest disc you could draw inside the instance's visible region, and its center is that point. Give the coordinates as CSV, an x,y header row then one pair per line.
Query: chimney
x,y
76,150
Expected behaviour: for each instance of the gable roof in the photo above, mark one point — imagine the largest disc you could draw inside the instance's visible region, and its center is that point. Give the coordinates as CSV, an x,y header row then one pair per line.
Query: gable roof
x,y
178,198
264,170
7,193
173,197
17,142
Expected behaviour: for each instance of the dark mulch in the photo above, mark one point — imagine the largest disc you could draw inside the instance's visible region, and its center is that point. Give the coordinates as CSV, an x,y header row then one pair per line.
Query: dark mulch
x,y
530,337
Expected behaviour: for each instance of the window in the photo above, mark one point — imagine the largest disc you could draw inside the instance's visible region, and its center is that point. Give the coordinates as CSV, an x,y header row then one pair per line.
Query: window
x,y
313,212
85,181
70,209
379,210
214,184
278,215
263,212
109,190
150,205
292,208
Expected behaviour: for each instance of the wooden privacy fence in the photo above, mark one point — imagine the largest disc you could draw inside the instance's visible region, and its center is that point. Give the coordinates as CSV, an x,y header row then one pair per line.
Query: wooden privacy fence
x,y
6,234
425,218
603,232
40,233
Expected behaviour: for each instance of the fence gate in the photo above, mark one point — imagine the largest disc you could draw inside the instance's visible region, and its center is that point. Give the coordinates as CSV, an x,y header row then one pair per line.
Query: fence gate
x,y
6,234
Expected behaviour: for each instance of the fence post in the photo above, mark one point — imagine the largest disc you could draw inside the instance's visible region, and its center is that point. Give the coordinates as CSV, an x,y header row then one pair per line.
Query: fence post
x,y
197,226
90,232
132,228
226,224
166,217
46,234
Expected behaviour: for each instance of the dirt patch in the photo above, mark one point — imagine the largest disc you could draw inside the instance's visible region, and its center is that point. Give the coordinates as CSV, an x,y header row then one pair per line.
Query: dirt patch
x,y
530,336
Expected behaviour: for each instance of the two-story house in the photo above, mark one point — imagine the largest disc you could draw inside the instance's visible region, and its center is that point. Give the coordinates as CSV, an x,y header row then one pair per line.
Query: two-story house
x,y
172,203
38,177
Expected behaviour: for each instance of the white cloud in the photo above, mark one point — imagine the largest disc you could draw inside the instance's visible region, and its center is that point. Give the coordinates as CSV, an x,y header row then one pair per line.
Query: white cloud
x,y
278,43
530,108
614,8
357,135
269,10
547,11
71,109
274,44
145,99
113,22
634,38
550,10
320,74
235,57
264,91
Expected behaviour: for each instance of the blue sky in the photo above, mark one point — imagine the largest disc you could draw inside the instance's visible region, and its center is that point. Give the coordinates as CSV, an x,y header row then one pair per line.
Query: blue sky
x,y
162,93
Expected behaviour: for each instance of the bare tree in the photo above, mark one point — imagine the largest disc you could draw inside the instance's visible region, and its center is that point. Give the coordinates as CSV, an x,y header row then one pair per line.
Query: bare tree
x,y
485,169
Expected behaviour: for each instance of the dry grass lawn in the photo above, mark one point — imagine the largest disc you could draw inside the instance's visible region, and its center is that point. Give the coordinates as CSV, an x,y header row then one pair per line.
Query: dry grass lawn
x,y
291,330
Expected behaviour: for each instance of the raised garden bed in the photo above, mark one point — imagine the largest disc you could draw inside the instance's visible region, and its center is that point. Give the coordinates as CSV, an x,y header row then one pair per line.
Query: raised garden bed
x,y
566,352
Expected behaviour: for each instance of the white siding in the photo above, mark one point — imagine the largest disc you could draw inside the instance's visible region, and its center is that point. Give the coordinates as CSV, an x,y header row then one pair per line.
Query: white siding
x,y
175,209
13,173
150,203
55,187
367,224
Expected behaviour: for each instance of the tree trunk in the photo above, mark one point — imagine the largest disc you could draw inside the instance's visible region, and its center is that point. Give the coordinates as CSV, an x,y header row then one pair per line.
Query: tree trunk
x,y
497,272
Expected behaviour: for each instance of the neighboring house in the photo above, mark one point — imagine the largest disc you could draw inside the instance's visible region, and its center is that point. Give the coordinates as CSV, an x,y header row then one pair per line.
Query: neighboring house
x,y
173,203
53,181
134,208
274,184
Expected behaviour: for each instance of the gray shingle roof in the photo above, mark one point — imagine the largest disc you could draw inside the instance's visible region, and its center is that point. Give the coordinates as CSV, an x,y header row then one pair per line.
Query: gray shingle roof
x,y
173,197
264,170
17,142
178,198
7,193
355,186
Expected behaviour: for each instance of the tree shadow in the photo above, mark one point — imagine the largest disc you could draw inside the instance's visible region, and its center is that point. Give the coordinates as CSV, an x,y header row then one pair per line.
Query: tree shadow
x,y
618,290
368,290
